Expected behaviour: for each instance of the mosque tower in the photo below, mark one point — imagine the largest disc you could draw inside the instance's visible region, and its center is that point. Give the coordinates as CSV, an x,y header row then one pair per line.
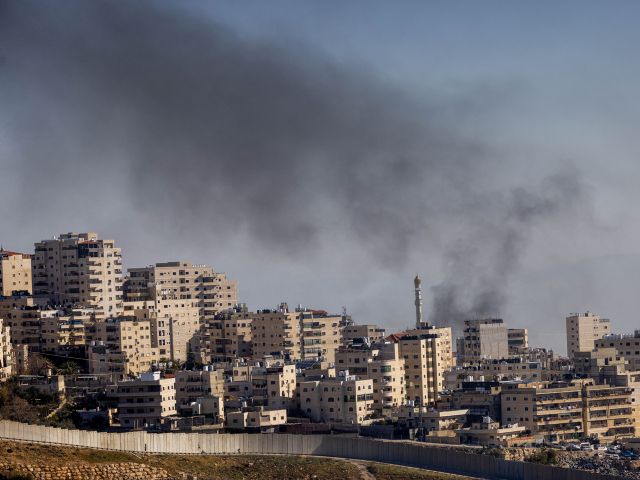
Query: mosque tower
x,y
418,286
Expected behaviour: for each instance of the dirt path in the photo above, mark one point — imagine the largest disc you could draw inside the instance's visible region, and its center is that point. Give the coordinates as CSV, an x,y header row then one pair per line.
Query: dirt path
x,y
365,474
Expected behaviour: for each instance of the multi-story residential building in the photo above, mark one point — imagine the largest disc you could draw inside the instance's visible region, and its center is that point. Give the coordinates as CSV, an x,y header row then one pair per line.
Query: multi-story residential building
x,y
15,273
354,332
583,330
79,269
176,325
627,346
6,352
570,410
144,402
192,385
386,369
355,359
274,385
496,370
228,335
342,399
550,410
591,363
24,318
276,333
382,363
518,339
484,338
321,334
256,419
186,299
427,354
480,399
211,291
608,412
266,383
489,432
65,330
123,339
431,420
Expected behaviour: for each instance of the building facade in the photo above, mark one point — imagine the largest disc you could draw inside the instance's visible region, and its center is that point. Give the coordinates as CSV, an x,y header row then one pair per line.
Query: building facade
x,y
583,330
15,273
79,269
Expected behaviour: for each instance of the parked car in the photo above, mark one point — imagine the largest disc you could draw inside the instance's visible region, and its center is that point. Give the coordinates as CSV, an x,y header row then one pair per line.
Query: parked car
x,y
586,447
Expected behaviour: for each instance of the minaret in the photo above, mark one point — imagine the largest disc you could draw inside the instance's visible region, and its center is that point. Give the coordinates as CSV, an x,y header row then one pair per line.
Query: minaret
x,y
417,283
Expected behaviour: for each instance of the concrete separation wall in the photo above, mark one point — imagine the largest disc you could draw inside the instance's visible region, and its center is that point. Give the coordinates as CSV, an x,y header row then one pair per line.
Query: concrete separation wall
x,y
387,451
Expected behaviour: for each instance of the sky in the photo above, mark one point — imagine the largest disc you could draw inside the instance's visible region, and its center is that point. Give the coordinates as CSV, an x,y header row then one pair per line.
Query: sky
x,y
323,153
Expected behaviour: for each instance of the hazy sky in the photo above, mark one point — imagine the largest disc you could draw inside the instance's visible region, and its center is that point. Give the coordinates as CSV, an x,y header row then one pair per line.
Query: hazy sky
x,y
324,152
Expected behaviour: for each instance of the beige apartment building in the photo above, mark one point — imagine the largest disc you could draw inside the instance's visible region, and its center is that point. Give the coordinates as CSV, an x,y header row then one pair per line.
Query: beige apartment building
x,y
321,335
276,333
627,346
125,340
266,383
592,363
518,339
192,385
175,324
6,352
15,273
480,399
186,299
483,339
228,335
372,332
65,330
175,328
274,385
427,355
211,291
489,432
146,401
387,370
24,318
583,330
79,269
256,418
342,399
355,359
496,370
563,411
384,365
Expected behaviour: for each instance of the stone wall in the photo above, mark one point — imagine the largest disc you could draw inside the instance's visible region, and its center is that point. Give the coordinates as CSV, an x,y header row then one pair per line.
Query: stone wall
x,y
115,471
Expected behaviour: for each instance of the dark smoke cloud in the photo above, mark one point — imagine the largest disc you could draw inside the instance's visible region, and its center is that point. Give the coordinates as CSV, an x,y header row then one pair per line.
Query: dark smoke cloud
x,y
218,135
481,263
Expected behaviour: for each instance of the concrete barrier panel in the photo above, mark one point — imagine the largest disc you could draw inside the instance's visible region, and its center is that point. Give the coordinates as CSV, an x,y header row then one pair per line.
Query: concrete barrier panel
x,y
400,453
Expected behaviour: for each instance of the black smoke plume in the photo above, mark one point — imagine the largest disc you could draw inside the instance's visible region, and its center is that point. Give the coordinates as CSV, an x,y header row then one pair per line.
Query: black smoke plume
x,y
189,125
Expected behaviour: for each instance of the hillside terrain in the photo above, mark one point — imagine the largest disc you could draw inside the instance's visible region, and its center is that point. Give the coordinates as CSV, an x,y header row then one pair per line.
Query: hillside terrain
x,y
33,461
